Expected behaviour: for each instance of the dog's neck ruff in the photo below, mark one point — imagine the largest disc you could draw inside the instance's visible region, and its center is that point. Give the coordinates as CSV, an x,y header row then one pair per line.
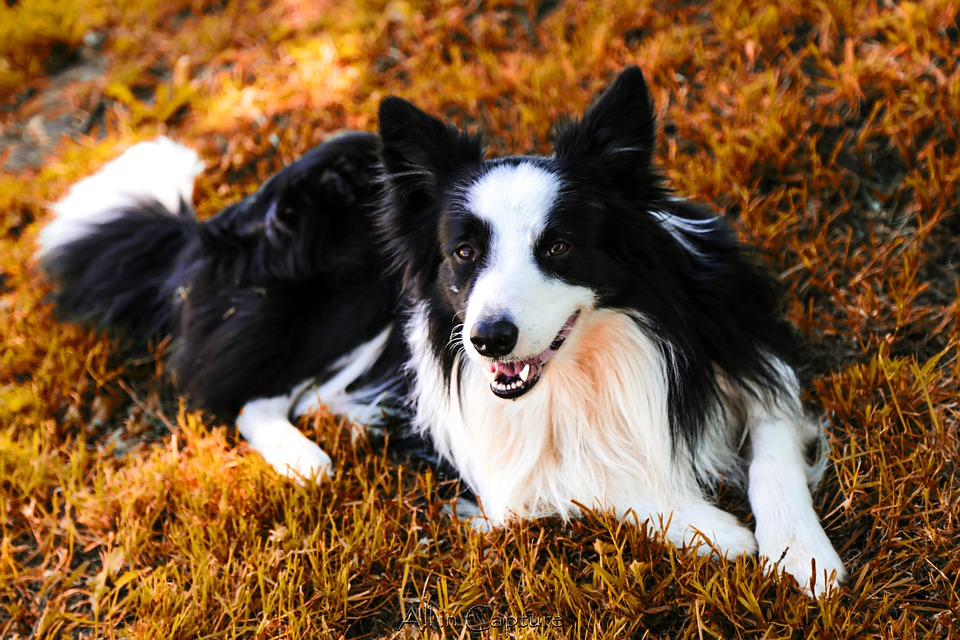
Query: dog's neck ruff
x,y
595,430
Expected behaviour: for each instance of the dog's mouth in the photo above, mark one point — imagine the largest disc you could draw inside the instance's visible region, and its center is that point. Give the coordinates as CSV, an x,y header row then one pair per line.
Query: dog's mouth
x,y
510,379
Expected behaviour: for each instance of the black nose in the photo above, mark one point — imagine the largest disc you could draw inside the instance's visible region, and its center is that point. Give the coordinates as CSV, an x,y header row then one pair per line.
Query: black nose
x,y
494,339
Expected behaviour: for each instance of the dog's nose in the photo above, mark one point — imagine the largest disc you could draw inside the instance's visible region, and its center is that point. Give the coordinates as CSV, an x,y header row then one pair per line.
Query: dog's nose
x,y
494,339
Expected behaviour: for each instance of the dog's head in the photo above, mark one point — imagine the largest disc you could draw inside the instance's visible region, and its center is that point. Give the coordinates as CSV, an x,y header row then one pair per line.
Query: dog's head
x,y
519,249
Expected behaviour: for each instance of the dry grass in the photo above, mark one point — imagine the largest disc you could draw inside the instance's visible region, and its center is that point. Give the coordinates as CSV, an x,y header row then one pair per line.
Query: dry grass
x,y
828,131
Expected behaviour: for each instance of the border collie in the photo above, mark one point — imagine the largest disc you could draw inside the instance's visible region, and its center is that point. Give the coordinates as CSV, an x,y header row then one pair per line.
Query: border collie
x,y
561,329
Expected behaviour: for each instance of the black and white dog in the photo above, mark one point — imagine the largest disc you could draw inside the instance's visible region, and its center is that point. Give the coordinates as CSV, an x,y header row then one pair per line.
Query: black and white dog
x,y
561,329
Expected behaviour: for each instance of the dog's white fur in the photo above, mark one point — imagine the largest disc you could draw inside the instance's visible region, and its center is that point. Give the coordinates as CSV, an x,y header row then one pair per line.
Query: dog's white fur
x,y
161,170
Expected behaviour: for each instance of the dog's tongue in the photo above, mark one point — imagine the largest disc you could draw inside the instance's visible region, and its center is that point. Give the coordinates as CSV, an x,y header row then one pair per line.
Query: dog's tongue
x,y
524,369
529,369
505,369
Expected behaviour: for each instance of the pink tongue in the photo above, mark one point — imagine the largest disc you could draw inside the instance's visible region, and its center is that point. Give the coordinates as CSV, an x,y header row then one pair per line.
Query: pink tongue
x,y
508,369
512,369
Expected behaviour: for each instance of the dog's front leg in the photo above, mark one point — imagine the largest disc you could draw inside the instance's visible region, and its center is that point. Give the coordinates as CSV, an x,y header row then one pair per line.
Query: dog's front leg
x,y
788,530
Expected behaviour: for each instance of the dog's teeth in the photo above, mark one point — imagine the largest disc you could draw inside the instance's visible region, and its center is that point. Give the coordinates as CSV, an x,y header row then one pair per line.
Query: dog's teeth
x,y
525,372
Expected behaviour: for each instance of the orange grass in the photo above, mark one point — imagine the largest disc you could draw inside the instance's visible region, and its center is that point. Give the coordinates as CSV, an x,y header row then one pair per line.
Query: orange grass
x,y
827,131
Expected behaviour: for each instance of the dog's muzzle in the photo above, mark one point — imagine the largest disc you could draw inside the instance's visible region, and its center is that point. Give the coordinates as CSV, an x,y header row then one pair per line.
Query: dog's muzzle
x,y
510,379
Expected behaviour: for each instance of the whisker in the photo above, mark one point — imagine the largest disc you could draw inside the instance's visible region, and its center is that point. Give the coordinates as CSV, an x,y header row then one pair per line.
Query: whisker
x,y
455,342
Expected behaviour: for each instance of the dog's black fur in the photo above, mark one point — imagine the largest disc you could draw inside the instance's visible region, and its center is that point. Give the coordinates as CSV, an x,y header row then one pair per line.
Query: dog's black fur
x,y
266,294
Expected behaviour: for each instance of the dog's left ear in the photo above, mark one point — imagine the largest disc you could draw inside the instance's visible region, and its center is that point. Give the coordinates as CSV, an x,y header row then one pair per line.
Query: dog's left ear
x,y
619,129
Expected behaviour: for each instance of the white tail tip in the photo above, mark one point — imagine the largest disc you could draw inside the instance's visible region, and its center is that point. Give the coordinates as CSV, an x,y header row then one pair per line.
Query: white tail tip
x,y
161,170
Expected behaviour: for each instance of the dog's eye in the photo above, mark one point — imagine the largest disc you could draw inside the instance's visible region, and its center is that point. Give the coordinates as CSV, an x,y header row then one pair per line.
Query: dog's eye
x,y
465,252
558,249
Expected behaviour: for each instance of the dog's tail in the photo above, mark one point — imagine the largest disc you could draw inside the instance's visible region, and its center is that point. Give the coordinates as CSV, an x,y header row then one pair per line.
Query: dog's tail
x,y
116,235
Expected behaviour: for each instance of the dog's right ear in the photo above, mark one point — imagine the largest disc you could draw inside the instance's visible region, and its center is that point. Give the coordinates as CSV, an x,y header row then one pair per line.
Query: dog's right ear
x,y
420,148
422,157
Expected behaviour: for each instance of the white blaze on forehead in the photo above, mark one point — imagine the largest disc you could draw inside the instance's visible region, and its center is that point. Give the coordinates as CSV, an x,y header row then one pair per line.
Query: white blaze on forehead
x,y
514,199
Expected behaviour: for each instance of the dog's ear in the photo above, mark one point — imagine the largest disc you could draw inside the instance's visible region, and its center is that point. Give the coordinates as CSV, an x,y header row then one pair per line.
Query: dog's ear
x,y
420,148
422,158
619,129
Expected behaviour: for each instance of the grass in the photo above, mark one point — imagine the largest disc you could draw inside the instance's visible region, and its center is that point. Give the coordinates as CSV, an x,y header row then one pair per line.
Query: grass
x,y
827,131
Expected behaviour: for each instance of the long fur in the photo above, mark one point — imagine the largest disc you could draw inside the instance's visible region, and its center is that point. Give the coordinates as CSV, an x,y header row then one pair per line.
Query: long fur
x,y
561,329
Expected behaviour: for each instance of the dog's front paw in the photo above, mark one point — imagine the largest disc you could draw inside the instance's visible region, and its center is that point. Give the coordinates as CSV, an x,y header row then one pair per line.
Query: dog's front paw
x,y
710,530
726,538
810,559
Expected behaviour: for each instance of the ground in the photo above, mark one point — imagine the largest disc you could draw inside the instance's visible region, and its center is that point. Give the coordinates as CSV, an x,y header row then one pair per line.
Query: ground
x,y
826,131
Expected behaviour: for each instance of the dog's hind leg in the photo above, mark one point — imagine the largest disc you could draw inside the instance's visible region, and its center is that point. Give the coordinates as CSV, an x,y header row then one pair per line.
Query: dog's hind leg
x,y
788,530
265,424
343,393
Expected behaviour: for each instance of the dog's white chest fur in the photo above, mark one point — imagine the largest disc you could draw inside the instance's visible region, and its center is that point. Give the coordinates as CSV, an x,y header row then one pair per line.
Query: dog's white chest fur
x,y
594,431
